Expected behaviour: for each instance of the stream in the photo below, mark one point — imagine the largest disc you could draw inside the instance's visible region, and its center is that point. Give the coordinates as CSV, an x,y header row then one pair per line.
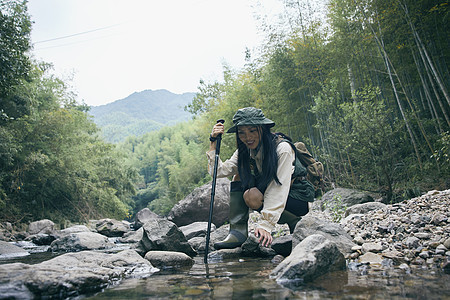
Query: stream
x,y
249,278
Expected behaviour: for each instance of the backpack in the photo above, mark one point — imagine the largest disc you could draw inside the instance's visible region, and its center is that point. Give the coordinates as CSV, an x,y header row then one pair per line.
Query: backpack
x,y
314,168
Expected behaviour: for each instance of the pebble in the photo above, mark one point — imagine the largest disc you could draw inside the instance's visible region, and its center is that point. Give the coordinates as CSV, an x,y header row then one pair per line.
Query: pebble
x,y
414,231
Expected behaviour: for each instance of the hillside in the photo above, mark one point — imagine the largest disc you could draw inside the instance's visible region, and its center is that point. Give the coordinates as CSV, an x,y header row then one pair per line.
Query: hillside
x,y
141,112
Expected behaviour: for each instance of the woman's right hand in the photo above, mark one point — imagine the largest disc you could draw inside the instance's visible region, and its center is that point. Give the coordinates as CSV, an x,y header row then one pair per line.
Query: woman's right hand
x,y
219,128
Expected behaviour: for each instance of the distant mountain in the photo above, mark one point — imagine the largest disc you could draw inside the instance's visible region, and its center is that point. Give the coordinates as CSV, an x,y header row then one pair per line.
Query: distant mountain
x,y
141,112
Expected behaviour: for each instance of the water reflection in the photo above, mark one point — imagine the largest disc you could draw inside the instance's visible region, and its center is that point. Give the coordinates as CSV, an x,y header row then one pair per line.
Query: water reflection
x,y
249,278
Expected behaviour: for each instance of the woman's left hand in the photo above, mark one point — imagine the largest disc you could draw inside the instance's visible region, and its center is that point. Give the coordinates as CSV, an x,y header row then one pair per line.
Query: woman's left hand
x,y
265,238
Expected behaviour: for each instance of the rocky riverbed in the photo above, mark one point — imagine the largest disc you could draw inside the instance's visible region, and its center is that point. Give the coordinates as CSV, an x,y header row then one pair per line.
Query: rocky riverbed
x,y
345,229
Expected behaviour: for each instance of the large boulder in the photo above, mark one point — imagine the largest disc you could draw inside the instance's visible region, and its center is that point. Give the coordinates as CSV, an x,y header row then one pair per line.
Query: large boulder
x,y
111,227
71,275
42,226
342,197
143,216
163,235
80,241
195,207
365,208
313,257
334,232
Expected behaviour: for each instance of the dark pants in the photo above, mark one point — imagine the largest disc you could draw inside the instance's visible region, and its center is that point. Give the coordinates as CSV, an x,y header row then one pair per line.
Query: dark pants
x,y
297,207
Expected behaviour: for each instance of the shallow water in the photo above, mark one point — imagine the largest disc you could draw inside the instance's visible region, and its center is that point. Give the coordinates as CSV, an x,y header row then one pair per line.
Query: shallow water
x,y
248,278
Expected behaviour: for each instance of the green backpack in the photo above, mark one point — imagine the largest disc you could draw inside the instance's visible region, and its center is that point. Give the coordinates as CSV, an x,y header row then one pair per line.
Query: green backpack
x,y
314,169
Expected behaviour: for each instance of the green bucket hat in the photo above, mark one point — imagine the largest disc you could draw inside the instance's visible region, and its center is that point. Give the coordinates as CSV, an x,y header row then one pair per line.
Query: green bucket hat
x,y
249,116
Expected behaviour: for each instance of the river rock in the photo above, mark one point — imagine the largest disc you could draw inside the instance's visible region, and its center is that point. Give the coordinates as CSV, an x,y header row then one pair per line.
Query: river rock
x,y
195,207
164,235
343,197
371,258
143,216
42,226
196,229
169,259
74,229
311,258
132,236
81,241
310,225
8,250
283,245
252,247
71,275
364,208
41,239
372,247
112,228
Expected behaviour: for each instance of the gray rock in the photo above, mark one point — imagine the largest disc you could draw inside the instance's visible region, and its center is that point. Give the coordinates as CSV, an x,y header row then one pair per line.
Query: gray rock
x,y
169,259
371,258
372,247
311,258
111,227
220,255
283,245
71,275
132,236
195,207
75,229
8,250
347,197
42,226
365,208
310,225
412,242
143,216
163,235
196,229
81,241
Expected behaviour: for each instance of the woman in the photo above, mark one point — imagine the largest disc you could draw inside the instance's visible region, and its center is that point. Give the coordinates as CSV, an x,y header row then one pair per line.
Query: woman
x,y
262,168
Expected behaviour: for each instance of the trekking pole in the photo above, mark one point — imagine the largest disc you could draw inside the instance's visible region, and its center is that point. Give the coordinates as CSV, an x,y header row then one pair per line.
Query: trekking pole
x,y
213,192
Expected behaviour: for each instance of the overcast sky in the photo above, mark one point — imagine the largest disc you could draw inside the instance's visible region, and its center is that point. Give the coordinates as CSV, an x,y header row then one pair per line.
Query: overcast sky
x,y
114,48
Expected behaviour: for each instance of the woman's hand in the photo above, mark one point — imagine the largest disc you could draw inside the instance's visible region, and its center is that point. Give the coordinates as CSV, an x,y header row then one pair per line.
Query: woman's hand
x,y
265,238
217,129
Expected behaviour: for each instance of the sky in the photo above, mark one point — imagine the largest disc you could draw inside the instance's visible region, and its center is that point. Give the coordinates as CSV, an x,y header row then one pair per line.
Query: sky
x,y
109,49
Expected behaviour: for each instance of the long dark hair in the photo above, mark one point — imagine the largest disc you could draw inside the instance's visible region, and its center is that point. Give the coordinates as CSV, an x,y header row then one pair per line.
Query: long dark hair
x,y
269,163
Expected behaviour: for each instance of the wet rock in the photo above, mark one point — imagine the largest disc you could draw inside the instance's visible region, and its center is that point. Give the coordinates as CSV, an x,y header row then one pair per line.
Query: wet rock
x,y
41,239
112,228
43,226
71,275
163,235
169,259
251,247
283,245
8,250
220,255
143,216
81,241
311,258
195,207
